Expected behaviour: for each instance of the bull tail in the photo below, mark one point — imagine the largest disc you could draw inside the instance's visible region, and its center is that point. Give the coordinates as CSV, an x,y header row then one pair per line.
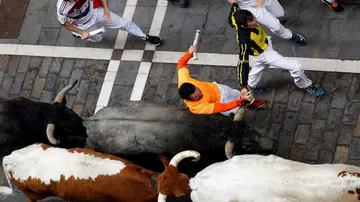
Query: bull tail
x,y
6,190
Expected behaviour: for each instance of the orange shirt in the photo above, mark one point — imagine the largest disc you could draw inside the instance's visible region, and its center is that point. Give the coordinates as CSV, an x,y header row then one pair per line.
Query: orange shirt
x,y
210,102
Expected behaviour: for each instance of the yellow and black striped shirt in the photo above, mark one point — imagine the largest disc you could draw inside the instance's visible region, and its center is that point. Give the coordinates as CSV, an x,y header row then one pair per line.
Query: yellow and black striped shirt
x,y
251,42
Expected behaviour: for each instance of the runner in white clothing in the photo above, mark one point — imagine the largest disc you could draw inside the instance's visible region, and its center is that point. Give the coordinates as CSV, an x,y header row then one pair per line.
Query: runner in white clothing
x,y
82,16
266,13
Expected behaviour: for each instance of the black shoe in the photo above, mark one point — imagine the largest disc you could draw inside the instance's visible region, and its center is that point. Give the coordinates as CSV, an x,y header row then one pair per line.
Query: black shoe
x,y
256,91
313,90
179,3
153,39
298,39
76,36
334,6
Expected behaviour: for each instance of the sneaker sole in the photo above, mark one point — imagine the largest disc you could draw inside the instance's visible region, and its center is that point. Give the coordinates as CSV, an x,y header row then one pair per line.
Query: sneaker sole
x,y
329,5
300,44
158,44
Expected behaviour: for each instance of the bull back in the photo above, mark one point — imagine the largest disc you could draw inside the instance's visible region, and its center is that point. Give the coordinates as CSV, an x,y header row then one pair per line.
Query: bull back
x,y
137,127
272,178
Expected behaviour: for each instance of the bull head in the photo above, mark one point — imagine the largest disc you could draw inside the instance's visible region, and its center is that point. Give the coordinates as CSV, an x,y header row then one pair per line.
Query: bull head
x,y
61,114
171,182
247,139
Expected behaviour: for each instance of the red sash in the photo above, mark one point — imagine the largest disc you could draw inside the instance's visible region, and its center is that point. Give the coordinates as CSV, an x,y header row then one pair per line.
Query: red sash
x,y
98,3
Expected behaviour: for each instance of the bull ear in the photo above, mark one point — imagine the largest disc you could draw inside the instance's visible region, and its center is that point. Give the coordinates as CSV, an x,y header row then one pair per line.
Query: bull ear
x,y
164,160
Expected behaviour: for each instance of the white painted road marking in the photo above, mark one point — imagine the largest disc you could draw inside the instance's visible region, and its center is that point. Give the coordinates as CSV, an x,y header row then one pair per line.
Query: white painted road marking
x,y
210,59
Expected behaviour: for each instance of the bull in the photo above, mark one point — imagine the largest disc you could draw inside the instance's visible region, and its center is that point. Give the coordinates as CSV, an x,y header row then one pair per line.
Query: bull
x,y
24,122
129,128
140,127
39,171
258,178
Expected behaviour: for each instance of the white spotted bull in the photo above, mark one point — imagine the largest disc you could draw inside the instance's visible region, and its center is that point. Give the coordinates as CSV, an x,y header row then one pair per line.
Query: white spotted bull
x,y
41,171
257,178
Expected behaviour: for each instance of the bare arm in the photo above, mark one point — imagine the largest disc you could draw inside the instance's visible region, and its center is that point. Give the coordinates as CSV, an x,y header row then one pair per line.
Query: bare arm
x,y
72,28
106,5
84,33
106,11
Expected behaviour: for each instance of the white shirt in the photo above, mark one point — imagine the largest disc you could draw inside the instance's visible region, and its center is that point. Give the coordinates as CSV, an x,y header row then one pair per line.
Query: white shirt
x,y
74,11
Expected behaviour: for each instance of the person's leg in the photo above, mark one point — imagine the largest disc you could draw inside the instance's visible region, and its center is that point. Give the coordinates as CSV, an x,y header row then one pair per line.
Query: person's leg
x,y
276,60
265,18
256,72
179,3
333,5
117,22
274,7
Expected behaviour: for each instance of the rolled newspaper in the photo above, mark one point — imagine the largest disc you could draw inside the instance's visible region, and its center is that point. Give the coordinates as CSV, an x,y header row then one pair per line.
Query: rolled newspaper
x,y
195,43
96,31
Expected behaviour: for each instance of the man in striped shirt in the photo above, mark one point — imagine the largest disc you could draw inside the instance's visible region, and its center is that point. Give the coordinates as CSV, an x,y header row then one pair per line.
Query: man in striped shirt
x,y
210,98
253,41
82,16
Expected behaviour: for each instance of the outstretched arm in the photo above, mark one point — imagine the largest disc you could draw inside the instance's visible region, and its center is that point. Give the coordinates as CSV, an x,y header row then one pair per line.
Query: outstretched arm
x,y
243,39
214,108
243,66
182,63
234,8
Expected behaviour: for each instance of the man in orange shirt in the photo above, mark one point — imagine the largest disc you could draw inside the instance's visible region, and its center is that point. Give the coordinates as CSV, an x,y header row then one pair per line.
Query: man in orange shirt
x,y
210,98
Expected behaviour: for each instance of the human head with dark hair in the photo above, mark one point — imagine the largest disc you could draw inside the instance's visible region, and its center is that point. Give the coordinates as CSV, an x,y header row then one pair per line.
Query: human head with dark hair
x,y
246,19
188,91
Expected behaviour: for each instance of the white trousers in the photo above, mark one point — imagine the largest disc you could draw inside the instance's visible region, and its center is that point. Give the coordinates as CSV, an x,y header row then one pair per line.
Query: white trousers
x,y
267,15
270,57
116,22
227,95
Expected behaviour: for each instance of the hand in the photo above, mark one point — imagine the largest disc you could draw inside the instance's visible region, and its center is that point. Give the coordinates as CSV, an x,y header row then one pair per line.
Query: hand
x,y
232,1
85,34
243,90
259,3
248,96
107,17
192,49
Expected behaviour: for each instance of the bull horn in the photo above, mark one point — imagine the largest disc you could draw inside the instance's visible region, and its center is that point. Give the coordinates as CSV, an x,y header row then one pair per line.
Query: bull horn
x,y
239,115
184,154
162,197
60,96
50,134
229,148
